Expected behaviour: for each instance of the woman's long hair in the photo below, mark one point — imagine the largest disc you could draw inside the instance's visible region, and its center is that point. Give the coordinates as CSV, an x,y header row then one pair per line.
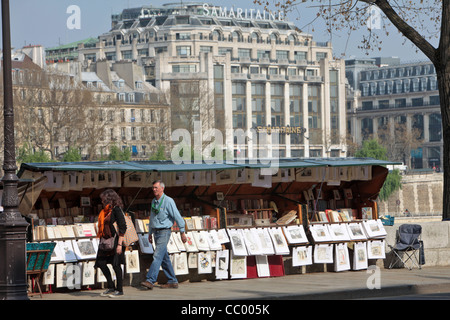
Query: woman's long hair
x,y
109,196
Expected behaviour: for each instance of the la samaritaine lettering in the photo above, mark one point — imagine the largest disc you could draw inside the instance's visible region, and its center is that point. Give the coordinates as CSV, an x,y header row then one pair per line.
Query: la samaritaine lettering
x,y
239,13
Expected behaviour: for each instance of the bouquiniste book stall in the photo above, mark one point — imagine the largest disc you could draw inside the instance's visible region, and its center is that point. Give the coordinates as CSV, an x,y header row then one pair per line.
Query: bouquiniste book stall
x,y
305,215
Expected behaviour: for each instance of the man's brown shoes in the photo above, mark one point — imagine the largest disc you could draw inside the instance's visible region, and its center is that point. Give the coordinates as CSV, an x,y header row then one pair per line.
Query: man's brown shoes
x,y
147,285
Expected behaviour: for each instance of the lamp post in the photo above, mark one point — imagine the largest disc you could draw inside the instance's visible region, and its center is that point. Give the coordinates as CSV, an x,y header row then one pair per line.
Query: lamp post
x,y
13,278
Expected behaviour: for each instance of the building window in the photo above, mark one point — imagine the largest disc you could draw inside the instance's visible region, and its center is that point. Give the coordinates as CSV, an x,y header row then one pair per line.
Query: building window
x,y
184,68
183,50
258,104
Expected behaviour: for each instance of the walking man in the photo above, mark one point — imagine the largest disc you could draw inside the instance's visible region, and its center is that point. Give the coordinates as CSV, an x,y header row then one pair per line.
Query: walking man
x,y
163,214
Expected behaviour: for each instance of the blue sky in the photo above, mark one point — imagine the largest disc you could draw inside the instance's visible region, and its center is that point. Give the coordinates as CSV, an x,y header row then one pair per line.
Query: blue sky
x,y
44,22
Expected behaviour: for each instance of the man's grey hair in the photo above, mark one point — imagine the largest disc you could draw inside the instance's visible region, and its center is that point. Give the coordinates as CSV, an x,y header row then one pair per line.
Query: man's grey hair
x,y
160,183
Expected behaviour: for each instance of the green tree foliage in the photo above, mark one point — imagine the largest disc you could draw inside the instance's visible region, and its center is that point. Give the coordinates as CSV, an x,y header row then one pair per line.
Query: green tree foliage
x,y
116,154
72,155
27,155
393,182
160,153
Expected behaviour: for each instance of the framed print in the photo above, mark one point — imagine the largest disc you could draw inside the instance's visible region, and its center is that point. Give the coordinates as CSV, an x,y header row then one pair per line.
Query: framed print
x,y
348,194
238,267
204,262
279,241
213,240
356,232
180,265
295,234
223,236
190,244
261,180
49,276
336,194
360,256
67,250
237,242
323,253
222,261
132,261
265,241
339,232
376,249
57,254
61,275
262,266
341,260
302,256
366,213
219,196
145,245
171,246
374,228
320,232
178,242
201,238
85,249
193,260
88,277
85,201
252,242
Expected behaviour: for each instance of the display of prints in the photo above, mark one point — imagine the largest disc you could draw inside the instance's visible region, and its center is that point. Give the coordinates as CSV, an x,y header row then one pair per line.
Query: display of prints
x,y
302,256
279,241
204,262
180,265
132,261
222,260
342,259
374,228
339,232
237,242
356,232
320,232
190,244
88,276
360,256
265,240
323,253
213,240
238,267
145,245
295,234
251,241
262,266
376,249
85,249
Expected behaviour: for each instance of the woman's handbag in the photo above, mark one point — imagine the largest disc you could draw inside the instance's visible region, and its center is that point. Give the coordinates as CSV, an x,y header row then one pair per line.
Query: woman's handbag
x,y
130,235
107,244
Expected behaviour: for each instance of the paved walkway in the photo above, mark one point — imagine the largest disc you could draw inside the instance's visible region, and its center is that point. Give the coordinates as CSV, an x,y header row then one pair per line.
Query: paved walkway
x,y
328,285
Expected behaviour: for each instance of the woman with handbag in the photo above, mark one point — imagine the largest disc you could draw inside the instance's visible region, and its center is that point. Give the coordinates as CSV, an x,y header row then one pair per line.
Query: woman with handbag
x,y
111,229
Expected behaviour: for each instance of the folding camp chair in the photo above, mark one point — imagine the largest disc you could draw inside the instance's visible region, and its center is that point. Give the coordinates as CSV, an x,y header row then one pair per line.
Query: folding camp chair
x,y
407,247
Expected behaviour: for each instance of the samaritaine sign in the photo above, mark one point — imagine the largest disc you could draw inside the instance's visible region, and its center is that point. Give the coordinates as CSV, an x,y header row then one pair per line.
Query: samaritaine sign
x,y
239,13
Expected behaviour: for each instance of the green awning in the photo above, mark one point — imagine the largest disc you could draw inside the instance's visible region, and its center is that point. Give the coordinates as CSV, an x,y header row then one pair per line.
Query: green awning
x,y
170,166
